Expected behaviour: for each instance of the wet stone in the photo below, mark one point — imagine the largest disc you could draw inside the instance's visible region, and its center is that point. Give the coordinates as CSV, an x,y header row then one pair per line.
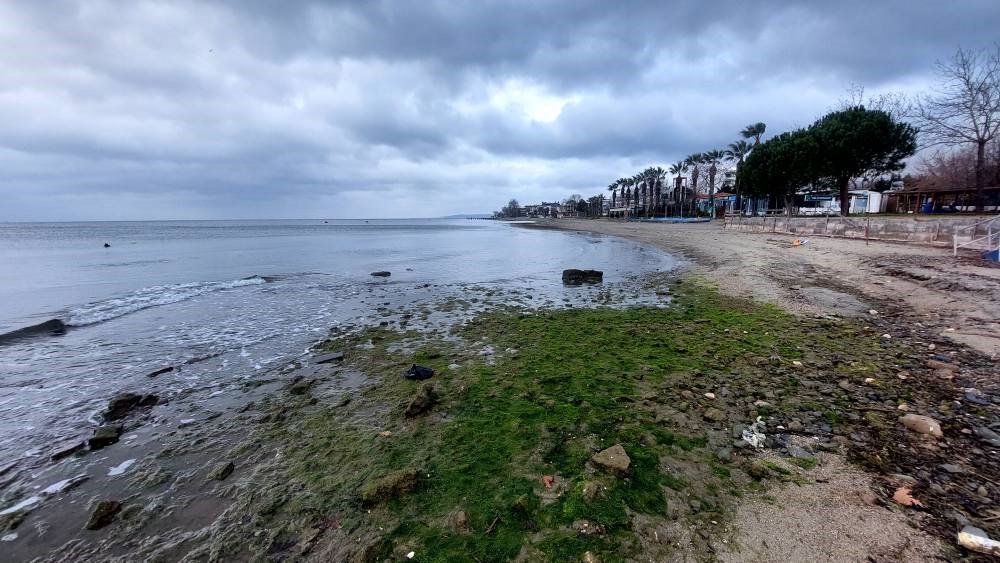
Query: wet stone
x,y
221,471
67,449
122,404
105,435
103,514
328,357
714,415
988,436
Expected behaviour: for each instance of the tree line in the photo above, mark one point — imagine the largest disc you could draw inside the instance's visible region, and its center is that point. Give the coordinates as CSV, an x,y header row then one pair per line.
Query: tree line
x,y
825,156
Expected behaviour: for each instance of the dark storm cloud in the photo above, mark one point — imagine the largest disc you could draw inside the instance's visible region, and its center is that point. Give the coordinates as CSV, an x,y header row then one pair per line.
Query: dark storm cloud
x,y
254,108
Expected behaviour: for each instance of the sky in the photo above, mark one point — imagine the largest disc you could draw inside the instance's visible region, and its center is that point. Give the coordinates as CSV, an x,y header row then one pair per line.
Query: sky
x,y
139,110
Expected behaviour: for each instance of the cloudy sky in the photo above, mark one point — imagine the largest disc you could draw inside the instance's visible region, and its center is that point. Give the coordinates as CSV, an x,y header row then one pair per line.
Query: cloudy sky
x,y
258,109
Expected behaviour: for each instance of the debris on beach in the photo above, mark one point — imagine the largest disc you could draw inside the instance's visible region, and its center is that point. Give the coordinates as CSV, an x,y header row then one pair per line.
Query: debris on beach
x,y
904,497
754,434
381,274
418,373
922,424
121,468
975,539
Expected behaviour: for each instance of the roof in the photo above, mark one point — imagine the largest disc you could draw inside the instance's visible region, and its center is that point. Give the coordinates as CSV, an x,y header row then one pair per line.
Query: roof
x,y
941,189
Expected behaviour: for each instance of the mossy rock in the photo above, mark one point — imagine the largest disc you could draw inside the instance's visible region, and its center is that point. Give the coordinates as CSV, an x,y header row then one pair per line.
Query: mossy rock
x,y
390,486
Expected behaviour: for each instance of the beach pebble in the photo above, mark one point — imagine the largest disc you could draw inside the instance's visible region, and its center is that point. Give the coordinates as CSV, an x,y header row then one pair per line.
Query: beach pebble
x,y
922,424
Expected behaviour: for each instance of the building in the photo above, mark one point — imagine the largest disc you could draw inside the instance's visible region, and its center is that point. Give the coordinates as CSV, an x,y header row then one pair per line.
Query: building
x,y
723,200
941,199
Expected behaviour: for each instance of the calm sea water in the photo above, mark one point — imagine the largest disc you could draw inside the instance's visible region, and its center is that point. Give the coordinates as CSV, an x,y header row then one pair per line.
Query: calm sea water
x,y
222,300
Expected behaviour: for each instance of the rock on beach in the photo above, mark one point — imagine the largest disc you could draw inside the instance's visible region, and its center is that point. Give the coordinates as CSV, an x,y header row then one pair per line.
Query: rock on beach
x,y
922,424
573,276
613,459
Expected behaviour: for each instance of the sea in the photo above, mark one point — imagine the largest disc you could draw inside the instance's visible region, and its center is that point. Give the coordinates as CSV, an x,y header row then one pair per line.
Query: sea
x,y
222,301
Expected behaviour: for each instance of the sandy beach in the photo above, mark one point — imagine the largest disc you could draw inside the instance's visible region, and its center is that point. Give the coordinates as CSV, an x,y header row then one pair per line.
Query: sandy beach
x,y
959,297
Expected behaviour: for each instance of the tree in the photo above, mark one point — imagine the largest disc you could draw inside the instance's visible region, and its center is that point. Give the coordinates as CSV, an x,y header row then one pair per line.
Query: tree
x,y
778,167
712,158
754,131
694,162
858,141
512,209
679,169
965,107
658,176
738,151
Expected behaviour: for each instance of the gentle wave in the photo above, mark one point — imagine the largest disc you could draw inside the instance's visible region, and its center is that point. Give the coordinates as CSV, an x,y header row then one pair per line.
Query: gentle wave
x,y
147,297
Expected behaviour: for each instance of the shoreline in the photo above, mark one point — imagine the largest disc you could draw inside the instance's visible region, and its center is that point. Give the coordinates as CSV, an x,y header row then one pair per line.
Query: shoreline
x,y
334,467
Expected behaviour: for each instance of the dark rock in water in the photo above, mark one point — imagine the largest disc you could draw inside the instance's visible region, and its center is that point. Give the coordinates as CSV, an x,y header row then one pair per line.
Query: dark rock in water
x,y
105,436
328,357
160,371
381,274
579,277
422,402
222,470
52,326
107,245
103,514
122,404
419,373
67,448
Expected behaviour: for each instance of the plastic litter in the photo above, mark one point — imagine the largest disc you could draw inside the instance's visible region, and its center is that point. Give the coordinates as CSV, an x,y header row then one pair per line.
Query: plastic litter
x,y
974,539
754,435
419,372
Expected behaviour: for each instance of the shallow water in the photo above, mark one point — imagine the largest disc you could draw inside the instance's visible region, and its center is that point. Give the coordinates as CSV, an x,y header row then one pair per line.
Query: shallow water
x,y
221,301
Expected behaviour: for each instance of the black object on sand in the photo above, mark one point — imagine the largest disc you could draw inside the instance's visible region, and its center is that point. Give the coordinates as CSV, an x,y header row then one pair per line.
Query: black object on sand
x,y
419,372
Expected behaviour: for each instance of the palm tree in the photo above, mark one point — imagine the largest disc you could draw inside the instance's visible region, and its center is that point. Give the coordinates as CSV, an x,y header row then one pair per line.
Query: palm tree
x,y
694,161
712,158
678,169
657,175
611,188
738,151
754,131
640,192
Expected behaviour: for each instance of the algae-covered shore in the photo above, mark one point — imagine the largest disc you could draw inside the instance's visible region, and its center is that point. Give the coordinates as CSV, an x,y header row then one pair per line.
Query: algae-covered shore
x,y
605,433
